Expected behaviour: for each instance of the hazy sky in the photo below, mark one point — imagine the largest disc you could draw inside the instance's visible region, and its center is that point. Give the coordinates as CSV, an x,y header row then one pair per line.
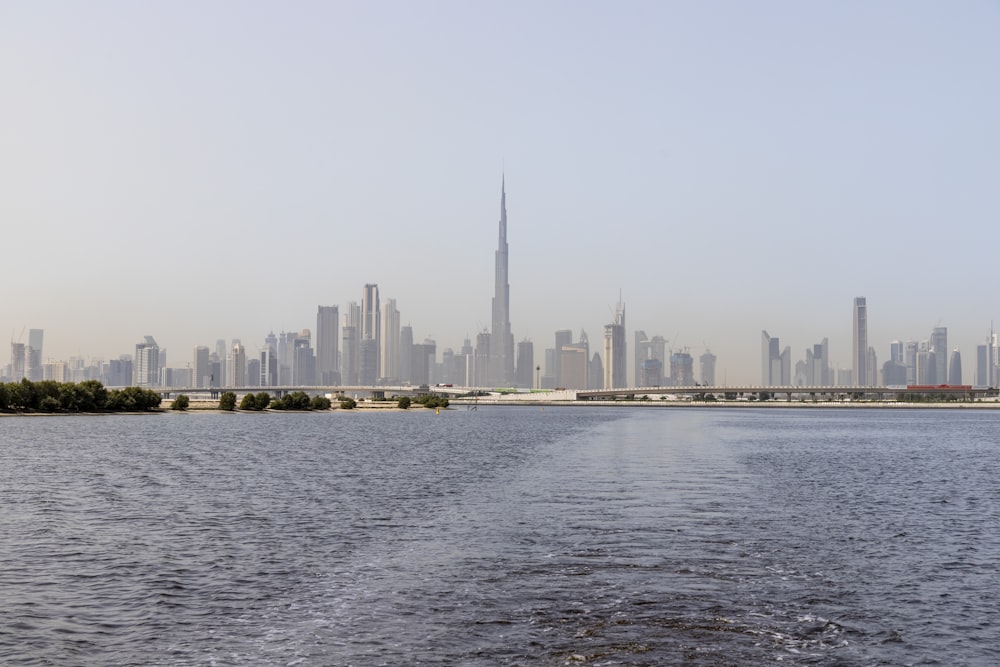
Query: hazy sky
x,y
204,170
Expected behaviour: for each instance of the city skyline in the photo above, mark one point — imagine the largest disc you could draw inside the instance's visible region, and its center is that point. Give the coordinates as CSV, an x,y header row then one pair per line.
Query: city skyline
x,y
217,172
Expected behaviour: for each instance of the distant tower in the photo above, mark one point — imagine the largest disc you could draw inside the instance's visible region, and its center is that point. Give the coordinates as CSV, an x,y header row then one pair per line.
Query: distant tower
x,y
389,345
482,362
199,368
146,368
17,361
955,368
707,368
327,343
405,354
33,358
501,371
239,365
371,331
939,344
615,369
524,376
860,356
775,363
351,333
641,351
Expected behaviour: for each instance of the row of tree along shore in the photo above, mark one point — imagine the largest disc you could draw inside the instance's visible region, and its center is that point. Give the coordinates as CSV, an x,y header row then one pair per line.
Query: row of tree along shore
x,y
87,396
52,397
299,400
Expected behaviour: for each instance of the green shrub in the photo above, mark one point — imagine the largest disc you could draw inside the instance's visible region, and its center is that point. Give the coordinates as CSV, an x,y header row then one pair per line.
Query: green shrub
x,y
319,403
180,403
227,401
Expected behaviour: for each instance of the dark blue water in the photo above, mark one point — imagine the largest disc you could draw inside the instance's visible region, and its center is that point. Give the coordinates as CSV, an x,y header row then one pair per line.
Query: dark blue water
x,y
505,536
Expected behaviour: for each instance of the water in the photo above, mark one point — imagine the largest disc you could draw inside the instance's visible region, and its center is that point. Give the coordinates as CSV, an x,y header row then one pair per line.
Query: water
x,y
505,536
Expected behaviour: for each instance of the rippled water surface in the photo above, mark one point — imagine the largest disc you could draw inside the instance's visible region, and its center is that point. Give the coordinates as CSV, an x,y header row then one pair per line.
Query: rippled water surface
x,y
503,536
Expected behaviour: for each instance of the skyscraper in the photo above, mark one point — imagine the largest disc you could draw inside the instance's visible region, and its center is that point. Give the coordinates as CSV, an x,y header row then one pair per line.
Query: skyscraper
x,y
146,369
776,364
371,331
525,364
351,349
707,368
405,354
33,359
327,337
939,345
239,367
16,361
501,345
860,356
389,344
615,369
955,367
199,369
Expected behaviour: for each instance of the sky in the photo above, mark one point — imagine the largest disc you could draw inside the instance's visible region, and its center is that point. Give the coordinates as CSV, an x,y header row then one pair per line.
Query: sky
x,y
195,171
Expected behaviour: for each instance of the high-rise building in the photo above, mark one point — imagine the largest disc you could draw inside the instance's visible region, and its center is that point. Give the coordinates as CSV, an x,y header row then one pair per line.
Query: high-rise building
x,y
146,367
861,375
303,360
641,352
481,367
33,359
17,370
596,374
389,344
574,365
682,369
120,372
406,354
351,333
955,367
817,366
651,374
327,342
199,367
371,329
707,360
982,366
926,367
501,346
524,376
269,361
615,369
939,345
776,364
564,337
221,352
239,368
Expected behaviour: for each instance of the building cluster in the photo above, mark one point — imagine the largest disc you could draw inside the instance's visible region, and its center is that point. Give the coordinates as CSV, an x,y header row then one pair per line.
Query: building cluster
x,y
910,362
367,345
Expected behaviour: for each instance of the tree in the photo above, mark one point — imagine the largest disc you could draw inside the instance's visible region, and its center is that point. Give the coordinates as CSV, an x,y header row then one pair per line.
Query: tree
x,y
180,403
227,401
404,402
49,404
249,402
348,403
262,400
319,403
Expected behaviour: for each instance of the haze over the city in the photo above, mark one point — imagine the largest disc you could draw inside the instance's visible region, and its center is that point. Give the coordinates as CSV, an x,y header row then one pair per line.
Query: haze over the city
x,y
200,171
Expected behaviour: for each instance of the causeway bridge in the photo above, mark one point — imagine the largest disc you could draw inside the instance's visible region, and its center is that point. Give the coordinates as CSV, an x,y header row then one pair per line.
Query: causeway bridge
x,y
825,392
377,391
832,393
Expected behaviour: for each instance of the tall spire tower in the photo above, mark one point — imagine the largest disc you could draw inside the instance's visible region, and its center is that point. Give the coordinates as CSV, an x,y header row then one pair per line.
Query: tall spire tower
x,y
501,339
